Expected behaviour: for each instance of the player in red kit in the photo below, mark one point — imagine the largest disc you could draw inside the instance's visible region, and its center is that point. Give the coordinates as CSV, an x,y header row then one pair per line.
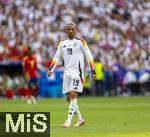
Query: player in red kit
x,y
30,71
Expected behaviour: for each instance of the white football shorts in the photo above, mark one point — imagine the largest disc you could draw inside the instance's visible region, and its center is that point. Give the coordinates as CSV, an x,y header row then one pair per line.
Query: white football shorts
x,y
72,83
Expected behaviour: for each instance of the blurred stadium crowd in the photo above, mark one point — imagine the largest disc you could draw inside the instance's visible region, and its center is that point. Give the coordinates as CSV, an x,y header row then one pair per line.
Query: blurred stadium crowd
x,y
117,31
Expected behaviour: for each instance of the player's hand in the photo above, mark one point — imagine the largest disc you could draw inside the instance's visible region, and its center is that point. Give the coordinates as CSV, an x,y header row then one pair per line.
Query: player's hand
x,y
49,73
93,76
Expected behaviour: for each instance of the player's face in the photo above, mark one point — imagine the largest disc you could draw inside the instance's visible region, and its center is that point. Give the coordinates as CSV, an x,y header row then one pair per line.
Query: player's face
x,y
71,31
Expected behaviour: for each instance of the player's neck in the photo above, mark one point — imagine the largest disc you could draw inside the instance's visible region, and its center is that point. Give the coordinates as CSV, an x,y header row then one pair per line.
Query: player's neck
x,y
71,38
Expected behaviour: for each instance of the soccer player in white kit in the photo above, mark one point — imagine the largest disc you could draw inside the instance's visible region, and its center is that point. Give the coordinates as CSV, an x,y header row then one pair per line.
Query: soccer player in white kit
x,y
72,51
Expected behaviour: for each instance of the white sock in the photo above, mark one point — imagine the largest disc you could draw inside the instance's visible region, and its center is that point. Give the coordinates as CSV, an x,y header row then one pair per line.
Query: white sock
x,y
72,108
78,113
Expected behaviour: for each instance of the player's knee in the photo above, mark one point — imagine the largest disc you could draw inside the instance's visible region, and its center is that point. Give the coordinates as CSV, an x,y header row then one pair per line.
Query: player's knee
x,y
73,95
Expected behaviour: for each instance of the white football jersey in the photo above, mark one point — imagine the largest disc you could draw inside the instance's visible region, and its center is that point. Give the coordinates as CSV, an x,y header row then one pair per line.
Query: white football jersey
x,y
72,52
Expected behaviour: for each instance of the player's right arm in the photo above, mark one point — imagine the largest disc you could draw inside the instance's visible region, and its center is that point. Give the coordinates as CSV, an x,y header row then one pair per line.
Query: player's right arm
x,y
55,60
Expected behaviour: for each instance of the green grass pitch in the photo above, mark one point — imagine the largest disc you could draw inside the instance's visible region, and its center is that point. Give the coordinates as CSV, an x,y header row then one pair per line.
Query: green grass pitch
x,y
105,117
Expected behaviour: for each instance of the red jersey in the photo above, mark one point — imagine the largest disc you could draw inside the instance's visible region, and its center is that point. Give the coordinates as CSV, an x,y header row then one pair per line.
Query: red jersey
x,y
30,66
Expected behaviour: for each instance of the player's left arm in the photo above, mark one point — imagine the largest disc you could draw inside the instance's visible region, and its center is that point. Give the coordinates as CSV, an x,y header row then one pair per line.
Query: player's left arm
x,y
89,57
